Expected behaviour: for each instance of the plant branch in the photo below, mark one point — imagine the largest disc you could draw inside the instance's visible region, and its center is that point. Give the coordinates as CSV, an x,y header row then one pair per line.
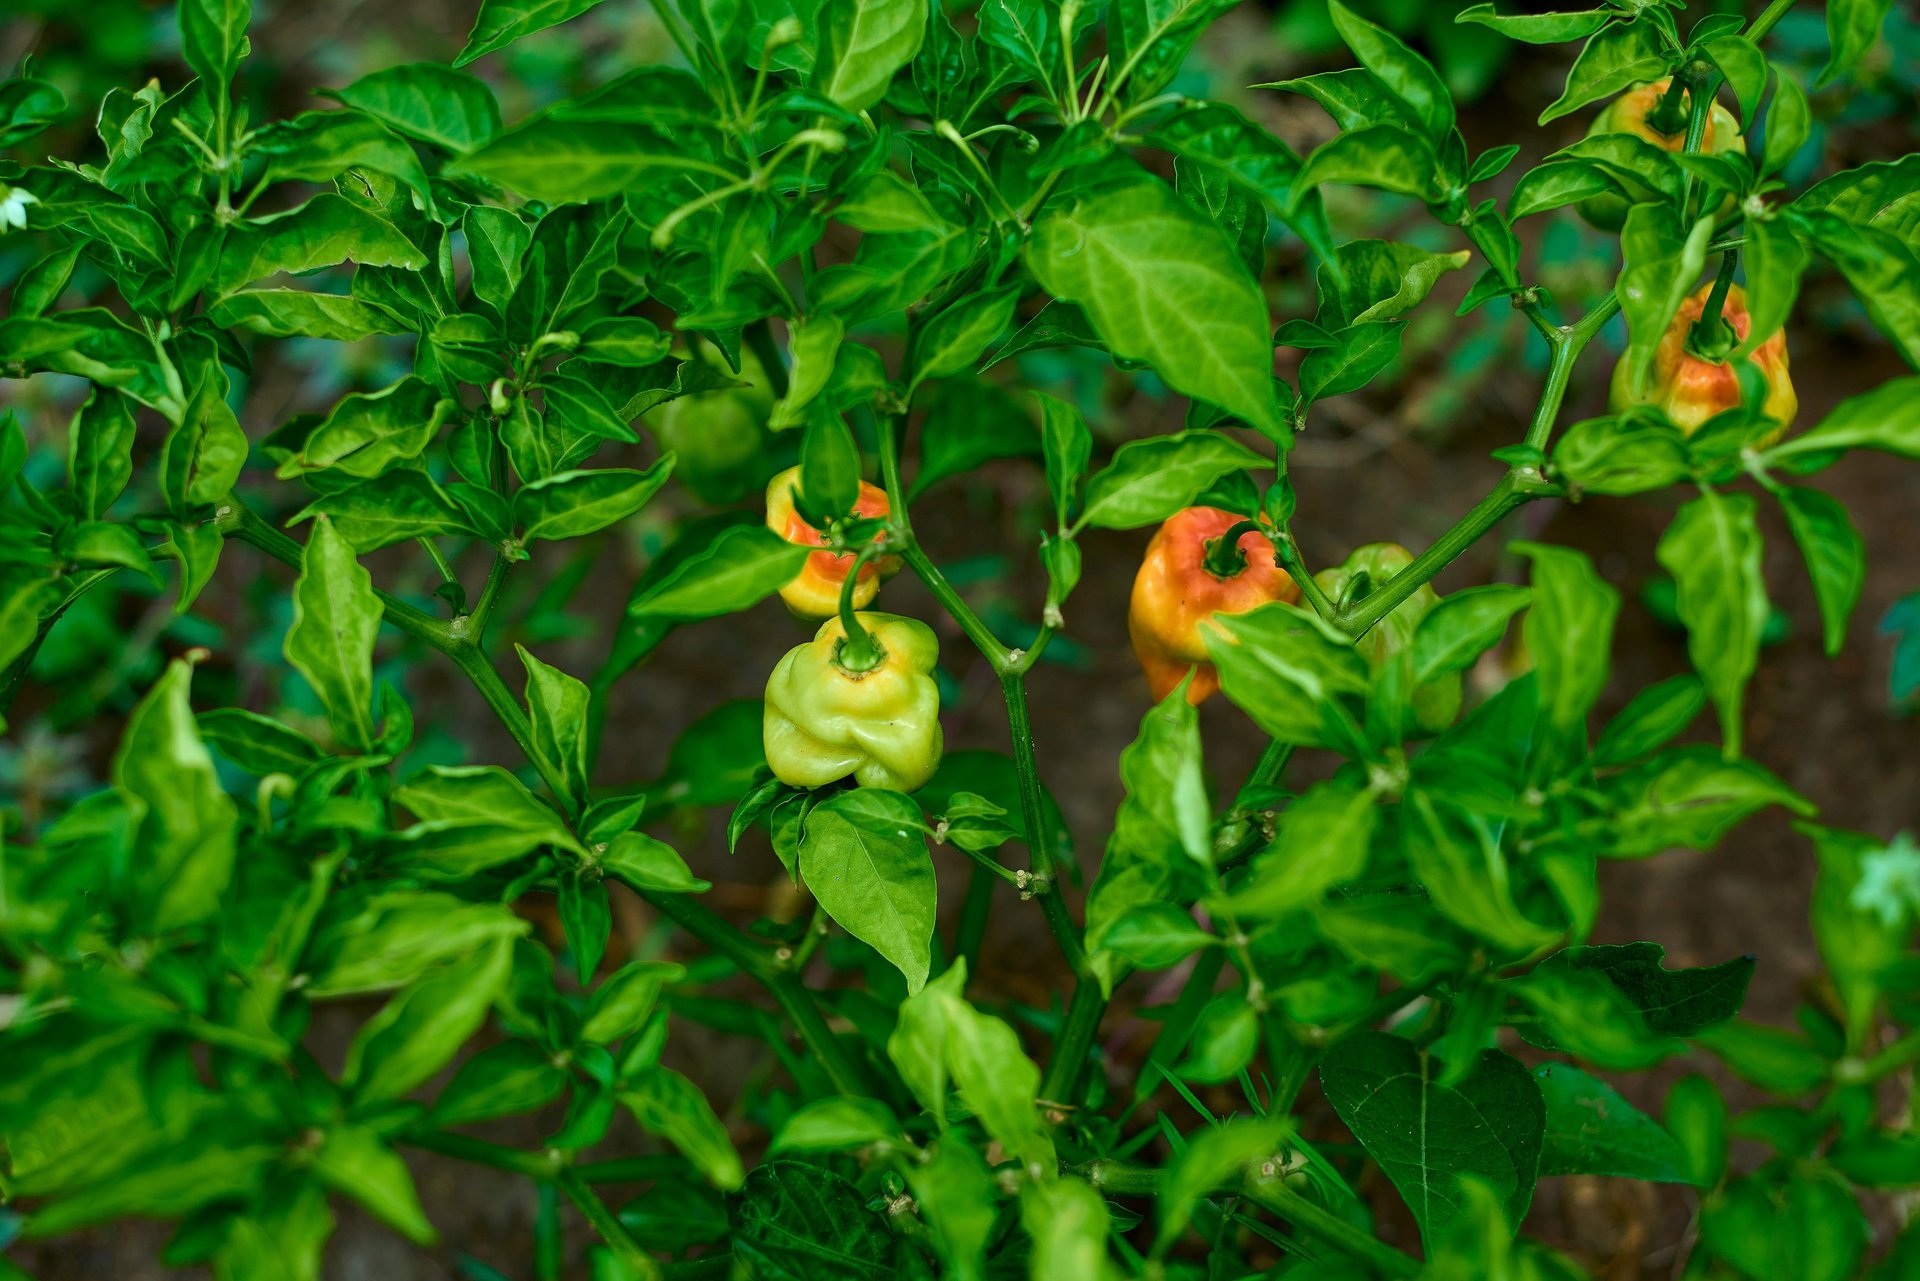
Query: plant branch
x,y
1768,17
689,914
1013,685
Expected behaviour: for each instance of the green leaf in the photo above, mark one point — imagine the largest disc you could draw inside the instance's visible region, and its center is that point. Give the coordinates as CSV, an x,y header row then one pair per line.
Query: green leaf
x,y
1622,456
501,22
1161,284
336,617
100,451
474,817
625,1000
182,821
1220,143
1538,28
1590,1129
1886,418
862,44
650,864
954,339
1673,1002
1650,720
1322,842
319,146
213,38
256,743
1167,815
418,1031
1712,549
1149,480
1068,1222
968,422
1430,1138
798,1222
557,706
837,1124
1154,936
1356,356
1569,632
940,1038
1379,280
865,858
327,230
294,313
1068,446
501,1080
1834,552
429,103
564,161
1458,857
575,503
205,452
1852,28
1614,59
1406,75
1453,634
1663,260
1220,1156
1688,797
365,434
1806,1226
353,1160
667,1104
1287,670
745,565
391,508
1384,156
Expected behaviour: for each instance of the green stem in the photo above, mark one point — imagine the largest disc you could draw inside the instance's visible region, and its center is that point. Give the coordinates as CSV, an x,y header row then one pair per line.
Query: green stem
x,y
1070,1052
439,561
633,1169
1768,17
1323,1224
1223,557
858,651
1487,513
1703,88
533,1165
482,611
607,1224
1669,115
1523,298
1271,1195
1710,332
1026,765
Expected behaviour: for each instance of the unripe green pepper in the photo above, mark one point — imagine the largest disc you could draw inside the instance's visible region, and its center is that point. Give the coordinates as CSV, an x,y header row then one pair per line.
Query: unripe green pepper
x,y
723,446
829,714
1435,704
1628,114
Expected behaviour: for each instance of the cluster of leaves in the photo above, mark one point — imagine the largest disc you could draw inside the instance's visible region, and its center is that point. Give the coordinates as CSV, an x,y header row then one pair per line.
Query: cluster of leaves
x,y
877,206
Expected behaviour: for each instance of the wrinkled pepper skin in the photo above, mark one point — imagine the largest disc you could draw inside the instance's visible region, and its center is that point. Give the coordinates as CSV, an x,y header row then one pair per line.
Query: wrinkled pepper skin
x,y
1628,114
815,591
1436,704
1690,390
720,439
1174,593
882,726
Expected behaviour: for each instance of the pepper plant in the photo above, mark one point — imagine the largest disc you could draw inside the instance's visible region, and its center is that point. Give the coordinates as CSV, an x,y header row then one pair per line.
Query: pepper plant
x,y
278,953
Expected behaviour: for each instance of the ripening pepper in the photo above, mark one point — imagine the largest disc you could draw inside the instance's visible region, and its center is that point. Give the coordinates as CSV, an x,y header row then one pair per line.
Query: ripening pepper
x,y
720,439
1628,114
1436,703
826,719
1176,590
815,591
1690,388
